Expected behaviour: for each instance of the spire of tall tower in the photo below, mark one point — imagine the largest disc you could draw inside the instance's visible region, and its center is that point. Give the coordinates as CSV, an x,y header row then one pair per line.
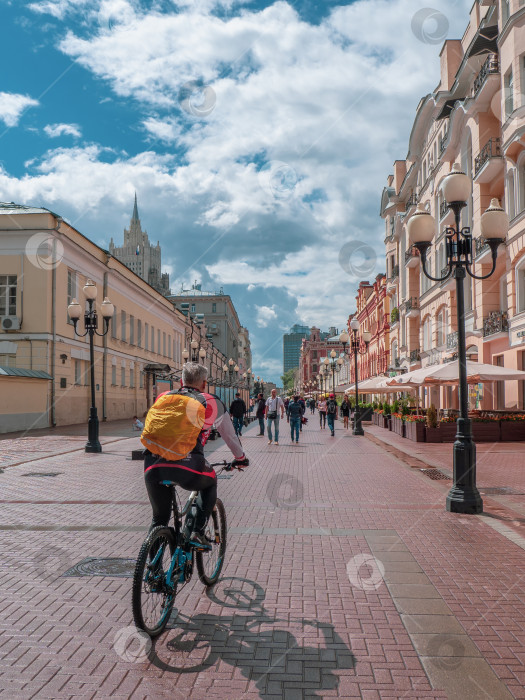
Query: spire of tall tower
x,y
135,215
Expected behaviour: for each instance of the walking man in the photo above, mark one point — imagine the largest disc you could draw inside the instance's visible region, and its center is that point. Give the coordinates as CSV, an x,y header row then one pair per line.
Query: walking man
x,y
295,414
237,412
274,406
331,413
259,412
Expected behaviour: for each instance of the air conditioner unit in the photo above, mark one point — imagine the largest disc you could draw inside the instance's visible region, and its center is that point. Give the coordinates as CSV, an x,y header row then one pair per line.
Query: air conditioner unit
x,y
10,323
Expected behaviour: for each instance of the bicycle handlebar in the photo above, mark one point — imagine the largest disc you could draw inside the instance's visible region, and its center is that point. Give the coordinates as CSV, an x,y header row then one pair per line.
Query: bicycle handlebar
x,y
227,466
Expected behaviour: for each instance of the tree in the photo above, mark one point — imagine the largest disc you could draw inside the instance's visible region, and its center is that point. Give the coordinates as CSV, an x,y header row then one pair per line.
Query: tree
x,y
288,379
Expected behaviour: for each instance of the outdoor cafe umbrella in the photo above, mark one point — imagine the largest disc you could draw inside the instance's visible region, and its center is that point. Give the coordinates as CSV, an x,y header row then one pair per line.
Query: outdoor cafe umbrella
x,y
448,373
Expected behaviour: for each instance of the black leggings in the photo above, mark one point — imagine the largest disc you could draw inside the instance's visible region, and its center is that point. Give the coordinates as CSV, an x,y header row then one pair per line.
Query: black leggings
x,y
322,418
160,496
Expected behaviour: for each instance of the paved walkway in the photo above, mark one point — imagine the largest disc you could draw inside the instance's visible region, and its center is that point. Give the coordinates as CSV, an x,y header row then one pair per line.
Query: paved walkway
x,y
344,577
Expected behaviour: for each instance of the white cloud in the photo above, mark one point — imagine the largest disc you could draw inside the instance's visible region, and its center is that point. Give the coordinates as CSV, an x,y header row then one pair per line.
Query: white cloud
x,y
12,106
56,130
265,314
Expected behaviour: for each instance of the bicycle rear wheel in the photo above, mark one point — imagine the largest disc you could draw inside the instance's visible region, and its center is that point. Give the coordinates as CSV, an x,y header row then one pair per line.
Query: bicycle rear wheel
x,y
152,597
209,564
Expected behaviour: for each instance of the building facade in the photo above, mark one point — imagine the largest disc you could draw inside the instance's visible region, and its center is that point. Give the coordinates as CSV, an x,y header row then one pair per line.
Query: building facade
x,y
139,255
475,118
292,343
314,350
44,264
218,313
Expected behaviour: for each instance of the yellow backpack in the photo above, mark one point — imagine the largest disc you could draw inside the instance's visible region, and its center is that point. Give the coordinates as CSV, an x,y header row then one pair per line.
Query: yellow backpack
x,y
173,425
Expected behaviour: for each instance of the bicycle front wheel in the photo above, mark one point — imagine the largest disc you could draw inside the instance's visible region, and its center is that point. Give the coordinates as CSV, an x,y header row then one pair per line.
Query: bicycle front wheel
x,y
209,563
152,596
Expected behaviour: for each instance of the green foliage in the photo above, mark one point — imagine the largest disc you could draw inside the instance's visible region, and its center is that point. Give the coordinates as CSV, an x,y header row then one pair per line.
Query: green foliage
x,y
394,315
288,380
405,407
387,409
395,406
432,416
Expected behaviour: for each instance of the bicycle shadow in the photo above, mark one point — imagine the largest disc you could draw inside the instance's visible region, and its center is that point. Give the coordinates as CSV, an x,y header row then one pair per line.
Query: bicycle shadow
x,y
303,657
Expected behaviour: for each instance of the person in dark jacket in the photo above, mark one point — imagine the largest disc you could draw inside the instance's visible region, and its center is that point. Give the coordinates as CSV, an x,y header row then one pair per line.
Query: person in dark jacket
x,y
259,412
303,404
295,414
237,411
345,411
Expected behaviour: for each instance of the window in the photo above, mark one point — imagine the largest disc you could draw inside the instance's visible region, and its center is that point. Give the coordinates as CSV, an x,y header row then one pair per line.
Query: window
x,y
122,376
71,289
169,346
131,330
141,379
509,94
146,337
314,354
7,295
214,308
152,339
158,341
131,378
114,375
511,194
123,326
114,323
500,386
427,334
520,285
139,333
164,344
78,372
505,11
193,308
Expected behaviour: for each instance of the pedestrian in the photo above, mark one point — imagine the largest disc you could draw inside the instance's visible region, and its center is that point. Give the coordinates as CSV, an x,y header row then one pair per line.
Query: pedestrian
x,y
321,407
331,412
295,414
286,402
345,411
237,412
312,405
303,404
259,413
137,424
274,406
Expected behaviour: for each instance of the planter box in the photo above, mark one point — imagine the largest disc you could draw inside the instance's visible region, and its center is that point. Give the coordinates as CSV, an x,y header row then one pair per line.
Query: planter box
x,y
486,432
433,434
415,431
448,432
398,426
512,431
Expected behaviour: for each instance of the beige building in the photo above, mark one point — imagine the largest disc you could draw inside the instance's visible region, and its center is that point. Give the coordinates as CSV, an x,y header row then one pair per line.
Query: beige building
x,y
476,118
44,263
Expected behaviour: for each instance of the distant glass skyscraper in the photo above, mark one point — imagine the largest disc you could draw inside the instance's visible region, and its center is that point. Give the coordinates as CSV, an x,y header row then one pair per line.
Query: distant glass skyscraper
x,y
292,346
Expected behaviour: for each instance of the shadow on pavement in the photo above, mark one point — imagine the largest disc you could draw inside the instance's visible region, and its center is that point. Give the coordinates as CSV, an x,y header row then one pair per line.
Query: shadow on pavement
x,y
250,639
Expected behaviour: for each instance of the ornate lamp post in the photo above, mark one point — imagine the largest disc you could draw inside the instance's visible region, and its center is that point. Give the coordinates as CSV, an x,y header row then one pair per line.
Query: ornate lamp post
x,y
91,324
355,347
334,365
464,496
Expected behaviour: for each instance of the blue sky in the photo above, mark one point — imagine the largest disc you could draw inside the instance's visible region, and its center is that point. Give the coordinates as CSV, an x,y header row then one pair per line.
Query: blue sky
x,y
257,135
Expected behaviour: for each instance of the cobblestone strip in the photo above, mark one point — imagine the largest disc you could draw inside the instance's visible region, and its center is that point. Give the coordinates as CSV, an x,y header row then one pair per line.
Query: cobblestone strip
x,y
450,658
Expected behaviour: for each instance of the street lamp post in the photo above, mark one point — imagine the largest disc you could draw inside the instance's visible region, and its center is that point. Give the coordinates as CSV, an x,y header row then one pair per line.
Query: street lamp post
x,y
90,325
464,496
355,347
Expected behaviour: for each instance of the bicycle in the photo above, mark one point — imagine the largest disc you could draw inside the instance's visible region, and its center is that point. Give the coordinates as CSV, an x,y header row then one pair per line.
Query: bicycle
x,y
166,561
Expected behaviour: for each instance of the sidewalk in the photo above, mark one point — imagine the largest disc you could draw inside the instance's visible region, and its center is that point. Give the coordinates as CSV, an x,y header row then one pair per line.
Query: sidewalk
x,y
344,577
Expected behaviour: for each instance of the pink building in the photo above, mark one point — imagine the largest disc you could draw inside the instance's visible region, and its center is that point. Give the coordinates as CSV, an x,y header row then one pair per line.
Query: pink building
x,y
475,117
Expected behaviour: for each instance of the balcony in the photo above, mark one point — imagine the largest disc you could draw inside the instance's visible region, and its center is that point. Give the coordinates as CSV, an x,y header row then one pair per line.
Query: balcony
x,y
496,322
415,356
395,272
411,307
450,282
489,162
490,67
394,316
452,340
412,258
411,202
481,250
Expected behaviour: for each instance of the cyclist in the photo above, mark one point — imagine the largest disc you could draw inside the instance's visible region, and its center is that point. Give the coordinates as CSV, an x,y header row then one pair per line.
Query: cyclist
x,y
191,472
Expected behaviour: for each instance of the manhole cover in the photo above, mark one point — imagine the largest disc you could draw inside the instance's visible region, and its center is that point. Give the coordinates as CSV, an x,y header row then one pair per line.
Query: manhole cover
x,y
114,568
500,490
42,474
435,474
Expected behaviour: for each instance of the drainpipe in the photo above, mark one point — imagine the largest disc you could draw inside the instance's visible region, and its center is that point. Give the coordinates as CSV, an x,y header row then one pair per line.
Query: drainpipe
x,y
105,353
53,332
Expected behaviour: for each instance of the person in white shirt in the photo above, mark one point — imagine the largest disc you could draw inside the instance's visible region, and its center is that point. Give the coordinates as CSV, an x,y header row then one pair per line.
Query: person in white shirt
x,y
274,406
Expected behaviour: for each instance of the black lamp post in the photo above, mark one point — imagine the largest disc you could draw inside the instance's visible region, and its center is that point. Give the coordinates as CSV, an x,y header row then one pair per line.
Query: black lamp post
x,y
229,375
334,365
90,325
464,496
354,344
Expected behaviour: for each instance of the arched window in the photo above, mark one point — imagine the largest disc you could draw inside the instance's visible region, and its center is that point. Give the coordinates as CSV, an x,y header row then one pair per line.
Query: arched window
x,y
394,351
519,271
440,340
520,198
427,333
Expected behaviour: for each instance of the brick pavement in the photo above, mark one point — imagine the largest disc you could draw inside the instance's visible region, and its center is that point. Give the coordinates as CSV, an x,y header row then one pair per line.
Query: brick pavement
x,y
344,577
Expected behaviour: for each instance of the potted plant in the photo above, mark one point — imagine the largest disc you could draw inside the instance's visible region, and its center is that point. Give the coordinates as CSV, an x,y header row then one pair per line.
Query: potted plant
x,y
415,427
387,423
398,423
486,429
432,431
512,427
